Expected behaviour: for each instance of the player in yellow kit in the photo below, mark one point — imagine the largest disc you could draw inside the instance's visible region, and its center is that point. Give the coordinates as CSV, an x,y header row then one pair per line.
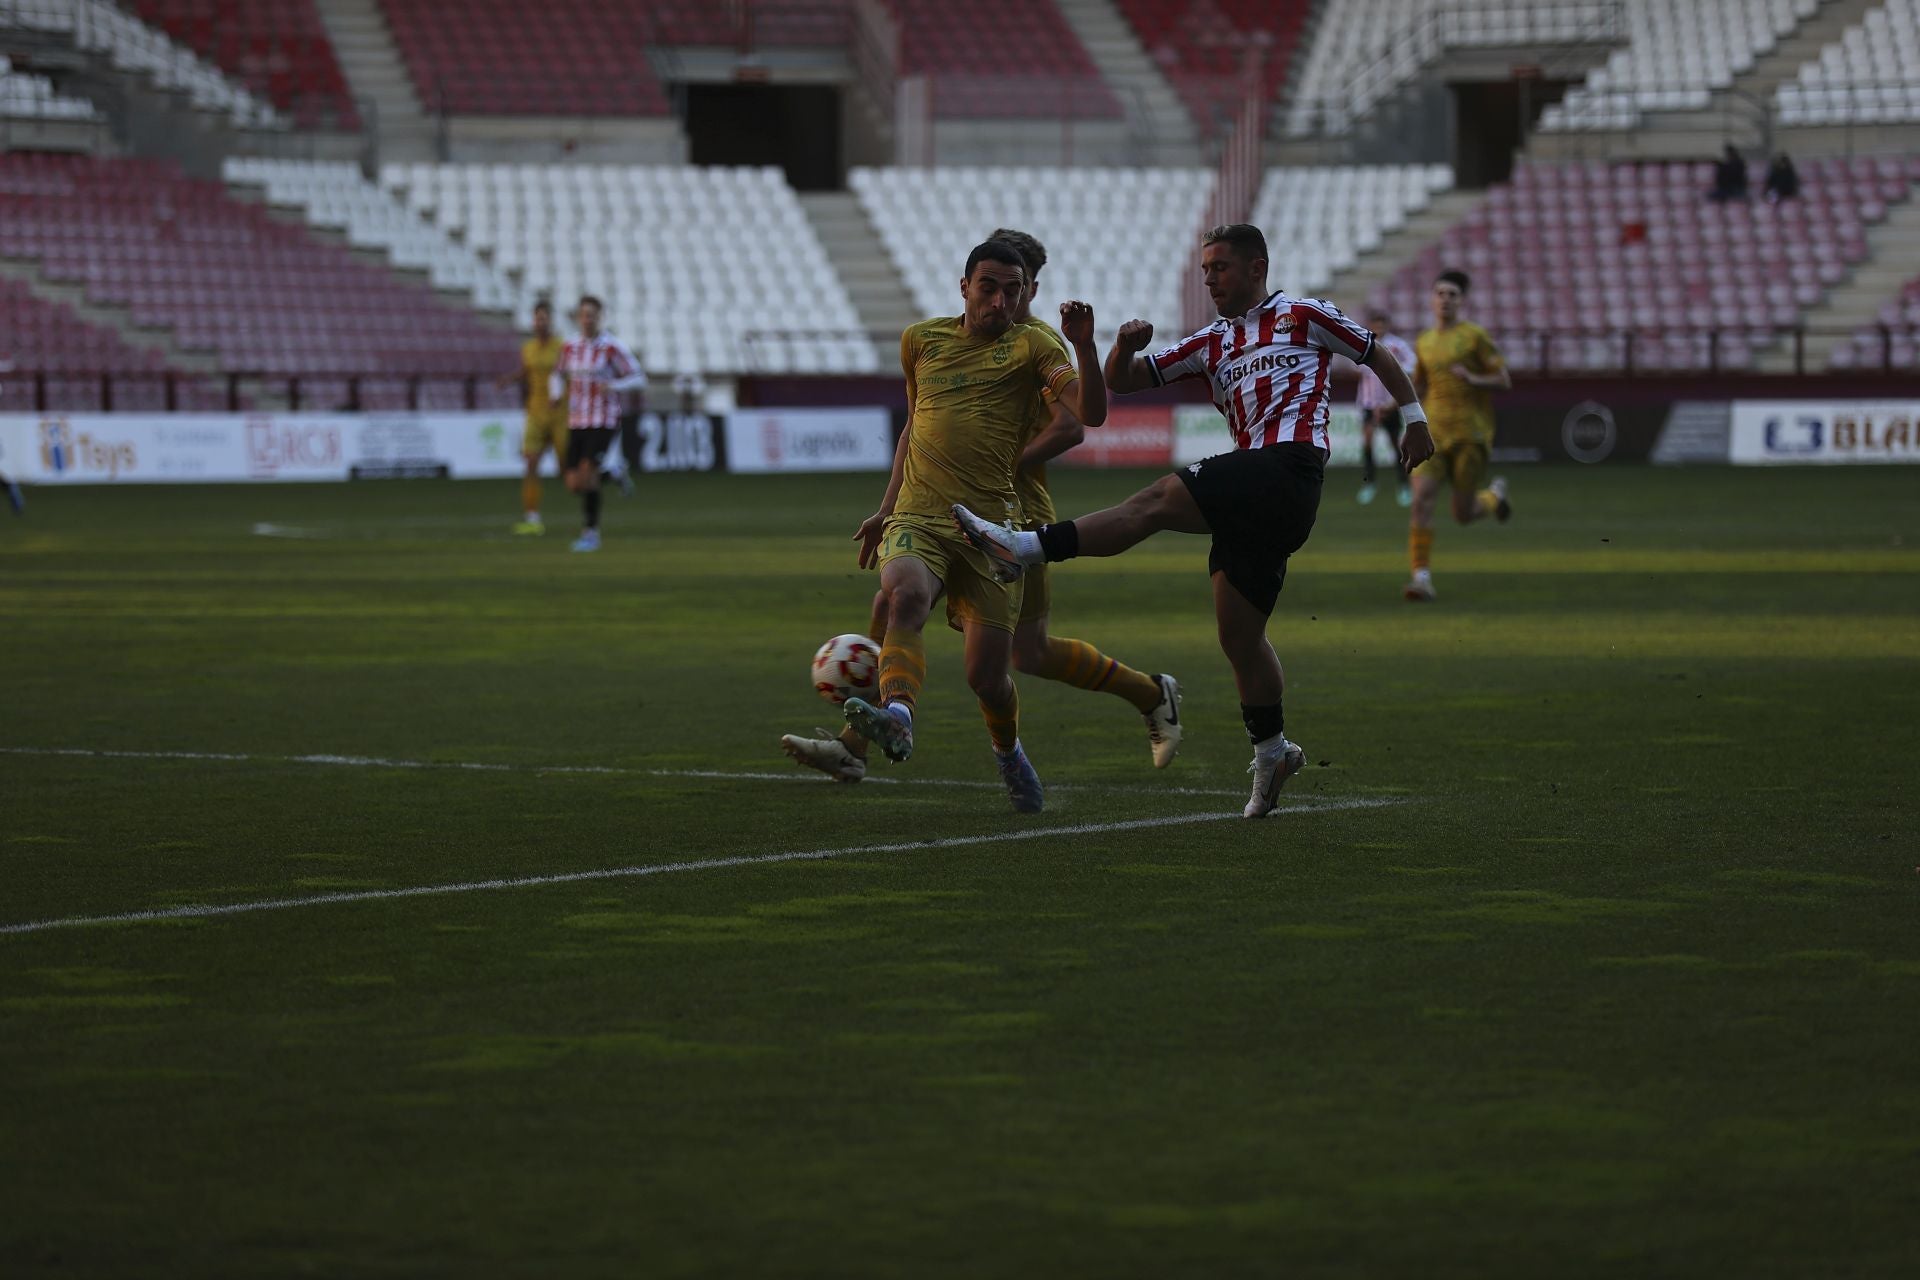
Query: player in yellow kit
x,y
1456,370
546,416
1051,431
971,384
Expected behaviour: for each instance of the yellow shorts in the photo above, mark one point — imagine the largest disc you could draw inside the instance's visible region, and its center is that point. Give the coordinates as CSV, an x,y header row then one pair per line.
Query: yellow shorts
x,y
1461,463
974,595
546,431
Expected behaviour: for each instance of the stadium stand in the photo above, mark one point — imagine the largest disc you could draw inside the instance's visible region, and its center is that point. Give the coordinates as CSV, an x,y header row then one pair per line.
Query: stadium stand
x,y
26,96
51,351
1044,72
131,45
1120,239
1871,75
567,58
1360,53
1321,220
1678,53
1597,266
1199,47
693,264
277,48
224,276
333,195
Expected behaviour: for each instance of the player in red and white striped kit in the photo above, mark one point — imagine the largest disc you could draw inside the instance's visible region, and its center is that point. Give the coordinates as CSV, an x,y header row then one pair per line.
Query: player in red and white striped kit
x,y
596,371
1267,358
1378,409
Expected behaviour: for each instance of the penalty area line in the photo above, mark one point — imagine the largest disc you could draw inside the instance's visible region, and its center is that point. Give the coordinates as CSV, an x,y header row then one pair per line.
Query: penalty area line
x,y
197,911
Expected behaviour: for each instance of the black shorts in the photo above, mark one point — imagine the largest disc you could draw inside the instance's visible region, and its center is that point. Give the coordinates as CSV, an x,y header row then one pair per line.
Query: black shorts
x,y
588,444
1390,423
1260,504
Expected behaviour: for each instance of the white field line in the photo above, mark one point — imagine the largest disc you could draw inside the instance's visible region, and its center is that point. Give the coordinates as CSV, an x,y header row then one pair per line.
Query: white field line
x,y
197,911
796,774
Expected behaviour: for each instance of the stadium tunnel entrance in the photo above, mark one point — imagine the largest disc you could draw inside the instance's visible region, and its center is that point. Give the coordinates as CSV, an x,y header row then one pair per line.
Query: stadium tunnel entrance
x,y
794,126
1493,120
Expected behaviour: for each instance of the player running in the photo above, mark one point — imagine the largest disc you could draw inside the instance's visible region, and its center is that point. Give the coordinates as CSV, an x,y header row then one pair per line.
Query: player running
x,y
546,417
971,383
596,369
1267,358
1457,368
1378,411
1052,430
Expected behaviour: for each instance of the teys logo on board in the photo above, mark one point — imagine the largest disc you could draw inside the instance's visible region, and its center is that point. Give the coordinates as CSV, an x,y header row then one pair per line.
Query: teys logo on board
x,y
64,450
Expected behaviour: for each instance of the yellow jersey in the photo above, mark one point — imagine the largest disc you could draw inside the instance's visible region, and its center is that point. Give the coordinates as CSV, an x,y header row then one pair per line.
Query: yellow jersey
x,y
537,362
972,402
1030,483
1456,409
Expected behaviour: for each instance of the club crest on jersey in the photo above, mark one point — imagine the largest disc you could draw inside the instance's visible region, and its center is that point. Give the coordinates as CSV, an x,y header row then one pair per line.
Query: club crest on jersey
x,y
1002,352
1284,322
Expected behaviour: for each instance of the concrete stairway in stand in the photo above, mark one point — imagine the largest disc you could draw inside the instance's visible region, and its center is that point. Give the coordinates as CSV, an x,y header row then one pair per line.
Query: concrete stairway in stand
x,y
862,263
364,46
1893,258
1165,130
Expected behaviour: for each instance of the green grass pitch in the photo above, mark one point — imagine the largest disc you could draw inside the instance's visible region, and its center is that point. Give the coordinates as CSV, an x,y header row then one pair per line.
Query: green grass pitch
x,y
1586,944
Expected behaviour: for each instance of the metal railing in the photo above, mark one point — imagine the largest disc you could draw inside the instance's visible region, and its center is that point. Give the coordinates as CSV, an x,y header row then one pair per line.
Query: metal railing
x,y
171,391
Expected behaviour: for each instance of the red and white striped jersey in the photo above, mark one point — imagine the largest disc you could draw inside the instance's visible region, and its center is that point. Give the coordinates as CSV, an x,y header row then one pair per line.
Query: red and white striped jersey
x,y
1269,367
597,371
1373,392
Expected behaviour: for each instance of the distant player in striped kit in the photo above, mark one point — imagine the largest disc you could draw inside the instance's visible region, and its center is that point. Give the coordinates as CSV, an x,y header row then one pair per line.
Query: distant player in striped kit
x,y
595,370
1378,411
1267,358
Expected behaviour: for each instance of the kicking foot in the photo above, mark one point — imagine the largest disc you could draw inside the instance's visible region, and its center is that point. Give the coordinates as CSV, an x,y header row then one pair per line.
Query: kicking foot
x,y
1163,722
995,540
1270,773
1023,784
827,754
887,729
1503,510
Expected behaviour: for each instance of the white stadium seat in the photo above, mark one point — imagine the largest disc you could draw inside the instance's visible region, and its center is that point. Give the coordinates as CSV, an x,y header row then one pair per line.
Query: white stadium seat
x,y
1870,75
701,268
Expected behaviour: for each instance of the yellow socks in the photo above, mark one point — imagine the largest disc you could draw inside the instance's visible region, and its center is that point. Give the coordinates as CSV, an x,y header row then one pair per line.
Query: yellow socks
x,y
1003,721
903,668
1079,664
529,493
1420,547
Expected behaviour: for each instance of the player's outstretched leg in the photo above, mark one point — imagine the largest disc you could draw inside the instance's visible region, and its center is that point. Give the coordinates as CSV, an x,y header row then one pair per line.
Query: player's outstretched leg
x,y
1163,722
995,541
830,754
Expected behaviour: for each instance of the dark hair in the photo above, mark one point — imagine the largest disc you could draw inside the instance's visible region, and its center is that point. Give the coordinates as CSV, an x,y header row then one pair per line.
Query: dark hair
x,y
1456,278
1242,237
1032,252
543,304
994,251
587,299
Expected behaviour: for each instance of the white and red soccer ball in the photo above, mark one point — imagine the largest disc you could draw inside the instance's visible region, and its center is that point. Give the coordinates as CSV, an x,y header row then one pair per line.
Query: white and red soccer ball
x,y
847,667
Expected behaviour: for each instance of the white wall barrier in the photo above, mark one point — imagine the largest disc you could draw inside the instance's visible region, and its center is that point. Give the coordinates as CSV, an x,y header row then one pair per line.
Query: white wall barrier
x,y
1774,432
186,448
761,440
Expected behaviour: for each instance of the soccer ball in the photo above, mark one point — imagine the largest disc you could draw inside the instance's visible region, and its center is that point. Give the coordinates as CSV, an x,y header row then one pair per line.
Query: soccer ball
x,y
846,667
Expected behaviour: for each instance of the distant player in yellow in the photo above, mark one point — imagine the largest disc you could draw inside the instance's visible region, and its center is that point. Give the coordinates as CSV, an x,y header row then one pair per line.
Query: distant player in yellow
x,y
1456,370
972,380
546,416
1051,431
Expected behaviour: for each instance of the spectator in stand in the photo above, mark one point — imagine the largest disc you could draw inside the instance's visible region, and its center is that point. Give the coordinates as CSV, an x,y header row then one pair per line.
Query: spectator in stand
x,y
1729,176
1783,180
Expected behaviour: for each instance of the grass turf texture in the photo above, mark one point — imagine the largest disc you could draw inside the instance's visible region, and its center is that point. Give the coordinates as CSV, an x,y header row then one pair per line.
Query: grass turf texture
x,y
1625,983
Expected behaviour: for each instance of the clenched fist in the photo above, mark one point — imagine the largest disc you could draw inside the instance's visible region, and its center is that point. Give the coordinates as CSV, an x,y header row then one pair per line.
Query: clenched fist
x,y
1134,336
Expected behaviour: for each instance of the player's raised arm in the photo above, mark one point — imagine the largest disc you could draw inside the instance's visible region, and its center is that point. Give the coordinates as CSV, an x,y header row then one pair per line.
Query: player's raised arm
x,y
1088,398
1128,370
1416,444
